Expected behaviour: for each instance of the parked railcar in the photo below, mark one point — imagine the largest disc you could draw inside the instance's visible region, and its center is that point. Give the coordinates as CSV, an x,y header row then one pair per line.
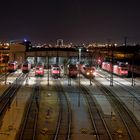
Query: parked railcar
x,y
72,71
55,71
12,66
39,70
120,69
88,71
26,67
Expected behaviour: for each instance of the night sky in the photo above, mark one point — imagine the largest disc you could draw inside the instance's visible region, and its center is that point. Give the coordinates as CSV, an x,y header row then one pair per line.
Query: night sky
x,y
76,21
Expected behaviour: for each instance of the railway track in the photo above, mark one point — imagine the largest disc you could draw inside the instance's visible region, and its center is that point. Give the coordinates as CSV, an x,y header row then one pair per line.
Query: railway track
x,y
129,120
29,125
63,129
107,75
132,91
100,127
4,76
8,95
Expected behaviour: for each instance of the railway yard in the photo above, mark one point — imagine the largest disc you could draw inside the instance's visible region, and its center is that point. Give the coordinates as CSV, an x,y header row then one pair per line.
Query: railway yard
x,y
47,108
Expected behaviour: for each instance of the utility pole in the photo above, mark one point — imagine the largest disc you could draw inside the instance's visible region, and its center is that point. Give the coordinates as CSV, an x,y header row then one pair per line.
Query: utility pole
x,y
48,69
48,64
5,70
90,69
132,69
79,49
112,63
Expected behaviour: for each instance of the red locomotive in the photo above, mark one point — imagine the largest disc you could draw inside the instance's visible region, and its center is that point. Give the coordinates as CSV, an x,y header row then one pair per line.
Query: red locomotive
x,y
12,66
39,70
26,67
88,71
72,71
120,69
55,71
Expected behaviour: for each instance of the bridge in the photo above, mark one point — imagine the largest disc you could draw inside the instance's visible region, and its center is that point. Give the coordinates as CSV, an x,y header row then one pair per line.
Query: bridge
x,y
22,51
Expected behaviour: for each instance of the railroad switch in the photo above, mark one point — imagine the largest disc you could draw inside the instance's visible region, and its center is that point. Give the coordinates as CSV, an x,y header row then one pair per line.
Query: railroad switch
x,y
10,127
119,133
48,114
44,131
84,130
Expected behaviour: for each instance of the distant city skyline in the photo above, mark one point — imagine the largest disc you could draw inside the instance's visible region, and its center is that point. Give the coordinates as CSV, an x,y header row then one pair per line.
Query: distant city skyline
x,y
76,21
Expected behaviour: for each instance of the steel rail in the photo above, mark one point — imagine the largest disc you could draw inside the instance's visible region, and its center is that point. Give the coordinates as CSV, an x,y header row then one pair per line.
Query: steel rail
x,y
29,125
123,111
63,117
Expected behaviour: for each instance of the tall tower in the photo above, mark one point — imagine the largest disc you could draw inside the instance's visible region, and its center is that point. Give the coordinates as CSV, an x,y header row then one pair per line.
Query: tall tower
x,y
59,43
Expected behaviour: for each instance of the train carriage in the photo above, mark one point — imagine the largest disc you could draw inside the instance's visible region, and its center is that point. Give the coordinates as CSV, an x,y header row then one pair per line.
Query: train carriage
x,y
39,70
120,69
26,67
88,71
55,71
72,71
12,66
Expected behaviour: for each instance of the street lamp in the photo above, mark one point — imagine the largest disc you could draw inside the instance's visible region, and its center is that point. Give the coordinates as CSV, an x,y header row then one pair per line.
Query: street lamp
x,y
133,77
112,63
5,73
79,49
48,69
90,69
48,66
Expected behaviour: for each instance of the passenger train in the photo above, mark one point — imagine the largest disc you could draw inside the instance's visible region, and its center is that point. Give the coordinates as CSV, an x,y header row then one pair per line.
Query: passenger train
x,y
12,66
26,67
72,71
120,69
55,71
39,70
88,71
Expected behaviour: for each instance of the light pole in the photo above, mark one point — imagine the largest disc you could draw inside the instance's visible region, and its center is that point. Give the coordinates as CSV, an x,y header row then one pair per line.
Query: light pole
x,y
79,88
5,70
79,49
112,63
133,77
90,72
48,68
